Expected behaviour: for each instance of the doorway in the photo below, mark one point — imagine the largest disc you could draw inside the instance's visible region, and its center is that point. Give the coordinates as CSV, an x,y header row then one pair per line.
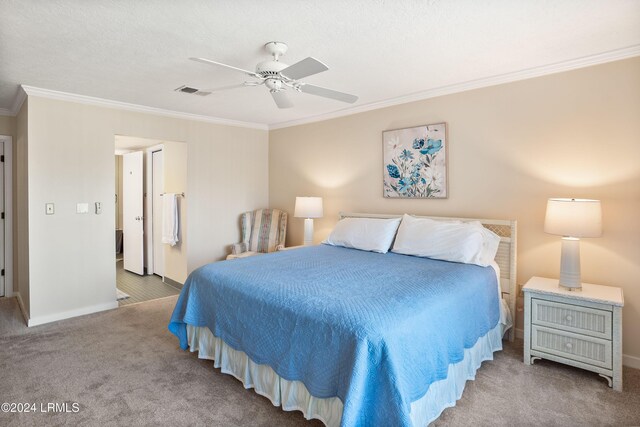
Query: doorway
x,y
141,175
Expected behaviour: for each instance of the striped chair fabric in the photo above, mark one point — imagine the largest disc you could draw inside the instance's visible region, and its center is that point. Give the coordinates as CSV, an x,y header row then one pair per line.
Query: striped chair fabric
x,y
263,231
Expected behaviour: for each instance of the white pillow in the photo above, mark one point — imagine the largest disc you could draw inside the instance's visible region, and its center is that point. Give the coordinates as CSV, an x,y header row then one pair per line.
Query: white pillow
x,y
450,241
490,243
367,234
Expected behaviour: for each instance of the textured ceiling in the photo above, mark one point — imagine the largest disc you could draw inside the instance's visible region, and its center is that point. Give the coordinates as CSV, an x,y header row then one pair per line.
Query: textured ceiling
x,y
136,51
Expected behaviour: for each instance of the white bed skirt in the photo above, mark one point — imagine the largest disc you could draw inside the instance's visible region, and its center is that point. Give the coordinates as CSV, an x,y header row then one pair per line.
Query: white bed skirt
x,y
293,395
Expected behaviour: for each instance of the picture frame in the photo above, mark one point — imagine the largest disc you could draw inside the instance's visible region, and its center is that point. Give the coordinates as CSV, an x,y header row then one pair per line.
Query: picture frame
x,y
415,162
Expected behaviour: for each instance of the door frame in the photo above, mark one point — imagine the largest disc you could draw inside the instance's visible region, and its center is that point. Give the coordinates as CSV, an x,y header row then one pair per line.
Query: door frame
x,y
148,225
8,215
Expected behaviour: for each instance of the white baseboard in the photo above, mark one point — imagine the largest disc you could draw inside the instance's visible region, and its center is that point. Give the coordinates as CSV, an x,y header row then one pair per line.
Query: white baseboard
x,y
41,320
22,309
627,360
631,361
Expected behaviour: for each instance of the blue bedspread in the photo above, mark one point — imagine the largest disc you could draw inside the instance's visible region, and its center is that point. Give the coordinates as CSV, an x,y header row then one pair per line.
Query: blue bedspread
x,y
373,329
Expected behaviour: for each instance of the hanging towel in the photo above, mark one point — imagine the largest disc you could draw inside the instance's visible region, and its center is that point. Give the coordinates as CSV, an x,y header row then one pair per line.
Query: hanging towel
x,y
170,219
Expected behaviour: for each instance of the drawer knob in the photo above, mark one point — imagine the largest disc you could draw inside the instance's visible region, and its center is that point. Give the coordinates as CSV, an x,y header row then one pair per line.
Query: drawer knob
x,y
569,345
569,318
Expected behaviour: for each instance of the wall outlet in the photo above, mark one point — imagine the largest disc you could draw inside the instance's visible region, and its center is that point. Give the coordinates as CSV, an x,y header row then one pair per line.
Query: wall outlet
x,y
98,208
49,208
82,208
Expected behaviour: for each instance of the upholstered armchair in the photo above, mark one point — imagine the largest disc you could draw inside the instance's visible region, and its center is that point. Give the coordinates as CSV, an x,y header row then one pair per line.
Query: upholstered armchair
x,y
263,231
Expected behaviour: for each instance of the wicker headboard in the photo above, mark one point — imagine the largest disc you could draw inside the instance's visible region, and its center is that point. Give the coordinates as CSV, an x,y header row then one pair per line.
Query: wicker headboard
x,y
505,257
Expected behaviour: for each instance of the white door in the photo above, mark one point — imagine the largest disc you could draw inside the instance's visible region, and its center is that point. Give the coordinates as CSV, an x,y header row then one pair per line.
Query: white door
x,y
158,189
2,219
132,212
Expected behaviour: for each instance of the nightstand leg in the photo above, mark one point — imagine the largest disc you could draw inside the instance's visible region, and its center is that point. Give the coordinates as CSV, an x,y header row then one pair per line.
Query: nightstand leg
x,y
527,329
608,378
617,383
617,348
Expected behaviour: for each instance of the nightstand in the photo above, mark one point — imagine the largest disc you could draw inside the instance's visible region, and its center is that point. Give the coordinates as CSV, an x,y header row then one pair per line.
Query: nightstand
x,y
578,328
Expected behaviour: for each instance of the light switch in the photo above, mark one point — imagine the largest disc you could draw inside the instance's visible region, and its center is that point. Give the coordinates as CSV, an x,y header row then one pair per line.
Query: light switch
x,y
98,208
82,208
49,209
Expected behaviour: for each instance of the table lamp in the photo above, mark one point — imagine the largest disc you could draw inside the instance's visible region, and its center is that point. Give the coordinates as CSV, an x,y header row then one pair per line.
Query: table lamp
x,y
308,208
572,219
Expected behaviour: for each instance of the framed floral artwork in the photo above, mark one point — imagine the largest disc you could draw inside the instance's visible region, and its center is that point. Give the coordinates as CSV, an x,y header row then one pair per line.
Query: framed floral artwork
x,y
415,162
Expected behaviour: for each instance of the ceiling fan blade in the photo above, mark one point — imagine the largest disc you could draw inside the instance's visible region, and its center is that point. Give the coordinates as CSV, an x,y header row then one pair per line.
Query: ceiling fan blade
x,y
208,61
281,99
220,89
328,93
307,67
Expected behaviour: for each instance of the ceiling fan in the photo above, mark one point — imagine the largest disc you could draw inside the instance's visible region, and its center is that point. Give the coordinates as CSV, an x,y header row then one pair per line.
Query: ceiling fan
x,y
278,77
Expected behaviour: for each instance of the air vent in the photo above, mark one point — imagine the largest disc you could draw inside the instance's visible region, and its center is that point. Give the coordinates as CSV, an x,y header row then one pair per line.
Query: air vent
x,y
192,90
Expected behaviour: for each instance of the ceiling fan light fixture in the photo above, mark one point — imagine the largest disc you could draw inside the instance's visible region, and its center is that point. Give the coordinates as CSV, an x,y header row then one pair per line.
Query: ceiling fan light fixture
x,y
268,69
273,84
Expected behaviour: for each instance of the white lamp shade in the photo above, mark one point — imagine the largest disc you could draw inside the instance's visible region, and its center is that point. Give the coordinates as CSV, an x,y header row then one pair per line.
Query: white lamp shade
x,y
573,217
308,207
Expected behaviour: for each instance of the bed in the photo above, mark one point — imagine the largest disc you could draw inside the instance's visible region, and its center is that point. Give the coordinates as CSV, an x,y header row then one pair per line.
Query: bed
x,y
350,337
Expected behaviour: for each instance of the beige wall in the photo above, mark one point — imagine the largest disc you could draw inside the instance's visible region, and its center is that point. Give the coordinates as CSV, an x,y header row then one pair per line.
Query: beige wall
x,y
175,181
71,160
512,146
8,126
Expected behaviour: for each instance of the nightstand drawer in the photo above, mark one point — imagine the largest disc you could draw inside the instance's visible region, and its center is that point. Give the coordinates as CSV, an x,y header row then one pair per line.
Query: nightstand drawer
x,y
572,318
591,350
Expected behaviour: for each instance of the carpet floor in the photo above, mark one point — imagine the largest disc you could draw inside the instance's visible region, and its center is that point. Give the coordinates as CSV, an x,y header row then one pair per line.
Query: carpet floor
x,y
123,367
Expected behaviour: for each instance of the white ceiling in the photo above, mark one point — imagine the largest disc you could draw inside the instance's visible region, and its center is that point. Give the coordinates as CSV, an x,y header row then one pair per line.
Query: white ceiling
x,y
136,51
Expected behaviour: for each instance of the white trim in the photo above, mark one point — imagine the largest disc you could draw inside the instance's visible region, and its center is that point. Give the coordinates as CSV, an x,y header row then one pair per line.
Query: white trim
x,y
35,321
8,214
22,309
120,152
17,103
631,361
528,73
99,102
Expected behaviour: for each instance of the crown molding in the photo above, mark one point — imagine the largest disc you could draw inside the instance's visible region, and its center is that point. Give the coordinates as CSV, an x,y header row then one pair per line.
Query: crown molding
x,y
613,55
16,105
100,102
558,67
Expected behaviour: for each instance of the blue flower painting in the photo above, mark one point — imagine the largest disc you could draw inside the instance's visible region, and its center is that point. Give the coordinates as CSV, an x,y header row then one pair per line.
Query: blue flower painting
x,y
415,162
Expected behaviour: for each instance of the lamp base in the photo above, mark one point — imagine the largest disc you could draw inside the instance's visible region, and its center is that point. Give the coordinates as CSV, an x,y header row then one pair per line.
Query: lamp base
x,y
308,231
570,264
